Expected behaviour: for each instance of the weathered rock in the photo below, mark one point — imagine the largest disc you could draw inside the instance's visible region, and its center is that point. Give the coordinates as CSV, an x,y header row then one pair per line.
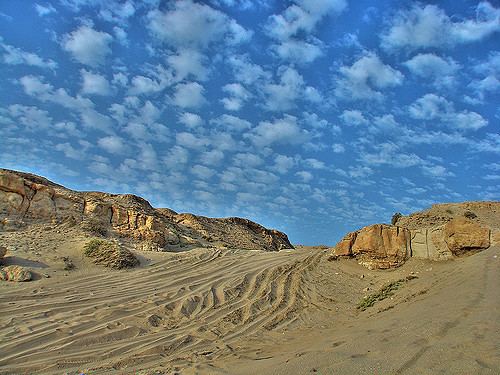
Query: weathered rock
x,y
428,243
463,235
33,199
344,247
15,273
377,246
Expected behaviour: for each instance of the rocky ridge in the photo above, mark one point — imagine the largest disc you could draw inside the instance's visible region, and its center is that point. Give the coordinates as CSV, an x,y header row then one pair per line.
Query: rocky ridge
x,y
27,198
442,232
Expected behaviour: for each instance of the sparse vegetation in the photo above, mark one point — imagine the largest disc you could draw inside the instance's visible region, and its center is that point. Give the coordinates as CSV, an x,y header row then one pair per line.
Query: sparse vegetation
x,y
386,291
109,254
68,264
396,217
470,215
95,227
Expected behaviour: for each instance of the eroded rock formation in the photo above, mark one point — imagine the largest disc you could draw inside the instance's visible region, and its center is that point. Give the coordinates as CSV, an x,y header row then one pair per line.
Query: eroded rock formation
x,y
442,232
26,198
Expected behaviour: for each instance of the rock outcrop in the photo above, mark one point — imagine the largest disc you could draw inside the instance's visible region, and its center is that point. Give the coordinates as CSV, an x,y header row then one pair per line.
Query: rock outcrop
x,y
440,233
15,273
3,251
27,198
377,246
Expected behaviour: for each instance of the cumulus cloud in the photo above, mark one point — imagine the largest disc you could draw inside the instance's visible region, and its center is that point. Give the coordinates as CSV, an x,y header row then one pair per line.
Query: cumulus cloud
x,y
194,25
353,117
93,83
434,107
291,29
280,131
429,27
230,123
246,71
16,56
189,95
88,46
44,10
431,66
112,144
191,120
237,96
283,95
188,63
362,79
157,80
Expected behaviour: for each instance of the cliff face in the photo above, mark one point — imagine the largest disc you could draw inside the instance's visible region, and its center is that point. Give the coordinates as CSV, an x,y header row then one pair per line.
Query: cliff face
x,y
26,198
442,232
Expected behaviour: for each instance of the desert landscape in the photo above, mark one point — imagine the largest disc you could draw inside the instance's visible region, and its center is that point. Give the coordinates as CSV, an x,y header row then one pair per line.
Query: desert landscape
x,y
180,294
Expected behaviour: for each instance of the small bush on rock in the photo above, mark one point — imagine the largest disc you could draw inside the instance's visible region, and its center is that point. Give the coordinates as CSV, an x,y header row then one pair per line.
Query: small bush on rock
x,y
396,217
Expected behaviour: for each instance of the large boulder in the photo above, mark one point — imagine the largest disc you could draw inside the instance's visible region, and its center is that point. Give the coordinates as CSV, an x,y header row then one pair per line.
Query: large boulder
x,y
377,246
15,273
463,235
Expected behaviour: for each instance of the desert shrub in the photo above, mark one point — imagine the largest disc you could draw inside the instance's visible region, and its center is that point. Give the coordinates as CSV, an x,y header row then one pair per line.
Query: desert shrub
x,y
386,291
109,254
396,217
470,215
95,227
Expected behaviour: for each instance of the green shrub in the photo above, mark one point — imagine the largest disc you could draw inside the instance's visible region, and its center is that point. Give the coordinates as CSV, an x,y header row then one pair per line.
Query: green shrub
x,y
396,217
109,254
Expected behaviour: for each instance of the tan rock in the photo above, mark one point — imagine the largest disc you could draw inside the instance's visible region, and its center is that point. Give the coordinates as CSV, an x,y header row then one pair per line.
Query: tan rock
x,y
343,248
15,273
462,235
382,246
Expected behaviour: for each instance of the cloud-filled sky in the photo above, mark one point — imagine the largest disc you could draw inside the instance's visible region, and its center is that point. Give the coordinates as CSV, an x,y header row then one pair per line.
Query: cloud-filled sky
x,y
313,117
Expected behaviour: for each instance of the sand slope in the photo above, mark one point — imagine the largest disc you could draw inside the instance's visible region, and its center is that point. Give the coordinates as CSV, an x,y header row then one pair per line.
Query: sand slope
x,y
212,311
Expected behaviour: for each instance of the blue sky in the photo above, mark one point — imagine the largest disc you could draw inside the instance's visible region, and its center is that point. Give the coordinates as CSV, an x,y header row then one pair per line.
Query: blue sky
x,y
313,117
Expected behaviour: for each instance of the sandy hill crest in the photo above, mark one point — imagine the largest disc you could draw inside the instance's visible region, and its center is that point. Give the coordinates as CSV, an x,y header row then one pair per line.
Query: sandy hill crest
x,y
27,199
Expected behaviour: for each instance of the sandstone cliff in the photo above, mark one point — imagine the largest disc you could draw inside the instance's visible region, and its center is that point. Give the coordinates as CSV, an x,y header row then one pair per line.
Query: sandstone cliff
x,y
27,199
442,232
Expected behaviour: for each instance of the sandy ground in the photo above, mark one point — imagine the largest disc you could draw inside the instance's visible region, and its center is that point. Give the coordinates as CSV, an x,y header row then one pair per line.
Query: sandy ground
x,y
210,311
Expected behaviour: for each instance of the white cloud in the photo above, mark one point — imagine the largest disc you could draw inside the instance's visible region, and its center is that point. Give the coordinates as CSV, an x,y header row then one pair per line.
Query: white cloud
x,y
431,66
159,78
353,117
338,148
305,176
238,95
44,10
194,25
31,117
302,16
291,29
94,83
188,63
428,26
191,141
16,56
230,123
299,51
189,95
282,96
282,163
280,131
117,12
434,107
202,172
191,120
212,157
121,36
247,72
246,160
88,46
112,144
360,80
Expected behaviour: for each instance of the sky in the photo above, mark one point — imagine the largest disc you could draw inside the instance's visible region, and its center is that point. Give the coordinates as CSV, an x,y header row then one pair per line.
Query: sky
x,y
312,117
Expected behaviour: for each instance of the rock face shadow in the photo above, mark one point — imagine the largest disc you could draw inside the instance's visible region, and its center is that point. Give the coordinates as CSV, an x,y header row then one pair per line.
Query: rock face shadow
x,y
17,261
